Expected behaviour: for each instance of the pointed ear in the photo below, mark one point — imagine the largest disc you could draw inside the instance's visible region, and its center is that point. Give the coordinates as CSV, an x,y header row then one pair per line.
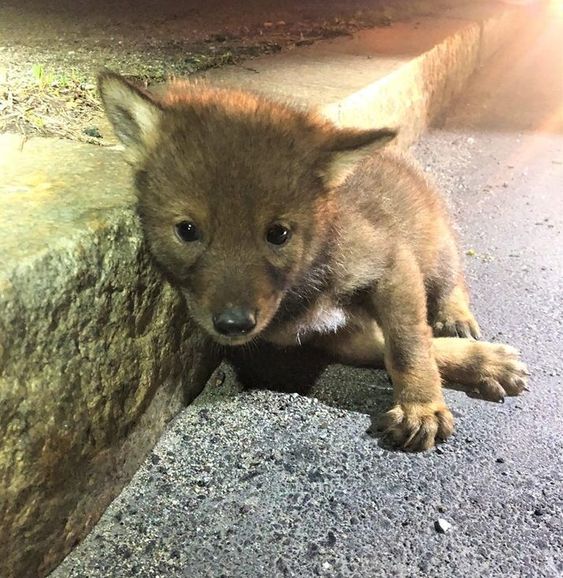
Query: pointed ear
x,y
133,114
348,147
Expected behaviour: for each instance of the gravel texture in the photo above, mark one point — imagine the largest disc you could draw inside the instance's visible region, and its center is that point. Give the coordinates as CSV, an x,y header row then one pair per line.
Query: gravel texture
x,y
263,484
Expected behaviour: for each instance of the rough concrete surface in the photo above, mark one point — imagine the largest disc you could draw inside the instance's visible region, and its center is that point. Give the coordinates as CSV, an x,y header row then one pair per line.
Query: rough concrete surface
x,y
89,333
261,483
267,484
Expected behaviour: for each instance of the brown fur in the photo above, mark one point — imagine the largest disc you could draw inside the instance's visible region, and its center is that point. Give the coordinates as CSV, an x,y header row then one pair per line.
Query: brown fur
x,y
371,268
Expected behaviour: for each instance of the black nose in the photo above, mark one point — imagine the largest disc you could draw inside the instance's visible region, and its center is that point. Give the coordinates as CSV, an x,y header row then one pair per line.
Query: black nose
x,y
234,321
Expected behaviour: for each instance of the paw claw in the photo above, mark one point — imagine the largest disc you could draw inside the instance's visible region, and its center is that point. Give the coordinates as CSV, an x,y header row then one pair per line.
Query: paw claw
x,y
500,373
416,427
465,328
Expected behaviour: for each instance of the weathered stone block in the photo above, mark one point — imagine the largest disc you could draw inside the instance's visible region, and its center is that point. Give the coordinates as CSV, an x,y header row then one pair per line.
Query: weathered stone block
x,y
96,350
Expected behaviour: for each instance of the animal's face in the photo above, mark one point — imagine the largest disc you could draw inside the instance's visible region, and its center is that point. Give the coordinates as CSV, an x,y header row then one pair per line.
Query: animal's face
x,y
235,194
232,243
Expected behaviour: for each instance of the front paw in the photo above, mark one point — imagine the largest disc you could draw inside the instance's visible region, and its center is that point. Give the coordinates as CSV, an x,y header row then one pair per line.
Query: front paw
x,y
416,427
462,325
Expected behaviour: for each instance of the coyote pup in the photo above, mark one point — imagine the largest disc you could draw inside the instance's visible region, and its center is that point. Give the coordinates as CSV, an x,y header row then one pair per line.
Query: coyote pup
x,y
277,225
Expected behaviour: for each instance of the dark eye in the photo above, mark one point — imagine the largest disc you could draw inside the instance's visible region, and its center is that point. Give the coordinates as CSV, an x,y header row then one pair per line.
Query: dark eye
x,y
278,235
187,232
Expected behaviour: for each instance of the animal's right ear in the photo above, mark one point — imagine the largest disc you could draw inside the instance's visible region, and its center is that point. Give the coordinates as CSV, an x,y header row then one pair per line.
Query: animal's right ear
x,y
134,115
350,146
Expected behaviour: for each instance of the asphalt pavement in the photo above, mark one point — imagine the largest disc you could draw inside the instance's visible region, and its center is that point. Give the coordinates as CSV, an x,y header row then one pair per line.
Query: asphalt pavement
x,y
260,483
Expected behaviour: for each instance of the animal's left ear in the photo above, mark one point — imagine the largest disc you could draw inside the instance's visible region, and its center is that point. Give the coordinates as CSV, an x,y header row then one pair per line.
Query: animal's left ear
x,y
348,147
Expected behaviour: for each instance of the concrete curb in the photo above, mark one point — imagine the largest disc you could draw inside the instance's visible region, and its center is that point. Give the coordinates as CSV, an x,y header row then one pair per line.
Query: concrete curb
x,y
401,76
89,332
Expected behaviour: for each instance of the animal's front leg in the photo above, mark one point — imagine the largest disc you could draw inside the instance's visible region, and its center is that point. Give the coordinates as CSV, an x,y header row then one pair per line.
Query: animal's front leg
x,y
419,416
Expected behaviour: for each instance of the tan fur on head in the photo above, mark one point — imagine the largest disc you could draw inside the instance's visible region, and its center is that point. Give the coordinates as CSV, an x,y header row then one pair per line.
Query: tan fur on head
x,y
136,116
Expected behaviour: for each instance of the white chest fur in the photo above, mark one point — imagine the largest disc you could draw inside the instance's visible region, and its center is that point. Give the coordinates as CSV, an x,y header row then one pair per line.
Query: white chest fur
x,y
326,319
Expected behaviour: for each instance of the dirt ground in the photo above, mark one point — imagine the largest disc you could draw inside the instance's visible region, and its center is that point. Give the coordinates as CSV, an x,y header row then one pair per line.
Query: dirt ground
x,y
51,50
